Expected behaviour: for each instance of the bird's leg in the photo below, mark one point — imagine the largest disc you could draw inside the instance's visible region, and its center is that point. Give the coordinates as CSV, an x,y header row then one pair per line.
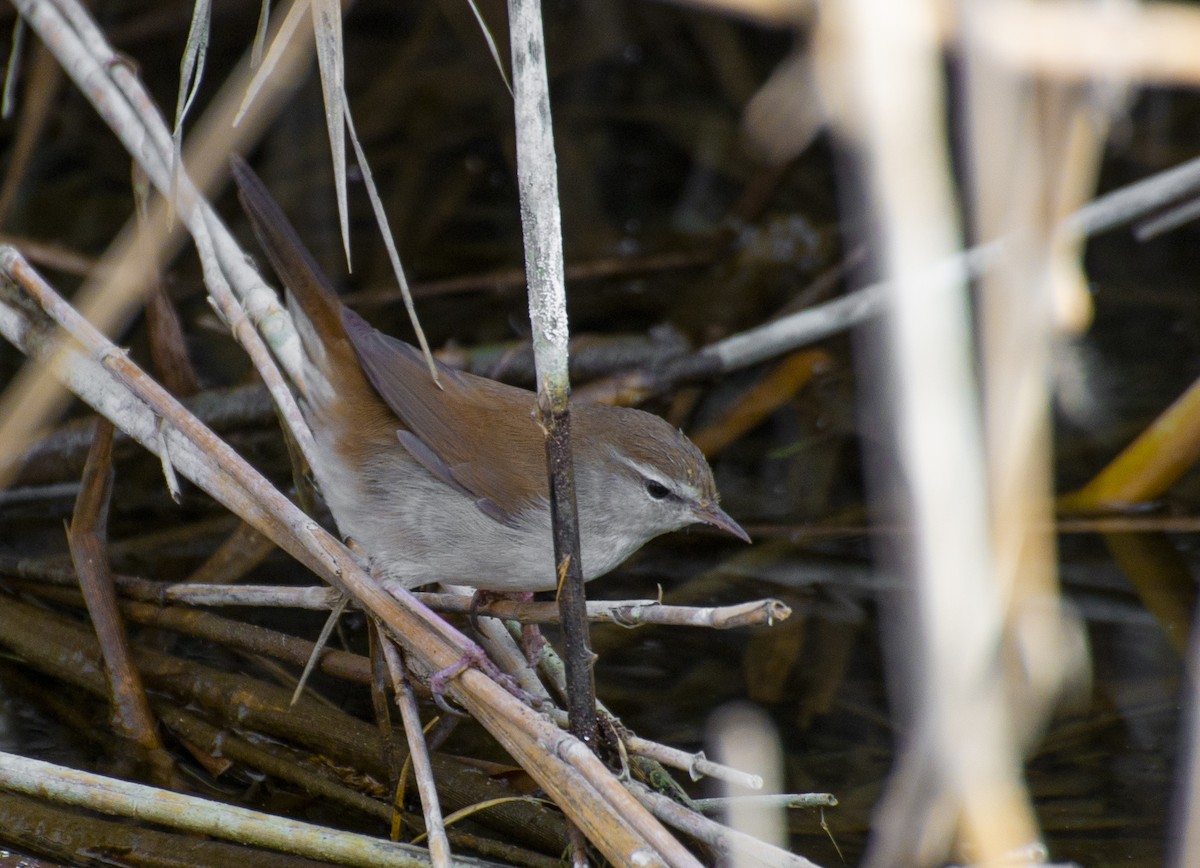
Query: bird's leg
x,y
532,641
475,656
481,598
472,655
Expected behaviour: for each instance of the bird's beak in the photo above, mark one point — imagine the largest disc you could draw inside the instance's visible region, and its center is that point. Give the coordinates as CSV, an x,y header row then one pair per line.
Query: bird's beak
x,y
718,518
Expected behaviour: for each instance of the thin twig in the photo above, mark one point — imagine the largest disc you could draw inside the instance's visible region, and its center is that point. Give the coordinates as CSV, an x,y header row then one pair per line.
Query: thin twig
x,y
783,800
227,744
714,834
627,613
697,765
418,751
335,613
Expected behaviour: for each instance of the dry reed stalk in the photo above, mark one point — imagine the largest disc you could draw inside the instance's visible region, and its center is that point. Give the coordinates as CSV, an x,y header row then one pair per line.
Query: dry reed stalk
x,y
87,539
541,223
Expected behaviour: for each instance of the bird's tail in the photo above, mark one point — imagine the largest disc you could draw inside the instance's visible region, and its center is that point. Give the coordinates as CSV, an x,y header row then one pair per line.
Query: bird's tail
x,y
314,305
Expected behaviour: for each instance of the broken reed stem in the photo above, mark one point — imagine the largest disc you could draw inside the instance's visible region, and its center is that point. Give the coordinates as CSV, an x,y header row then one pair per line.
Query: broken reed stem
x,y
235,635
86,538
780,800
253,639
625,613
335,613
697,765
541,221
225,743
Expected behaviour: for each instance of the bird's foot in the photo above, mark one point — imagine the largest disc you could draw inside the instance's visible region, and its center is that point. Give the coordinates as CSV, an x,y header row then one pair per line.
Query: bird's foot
x,y
532,642
474,656
482,598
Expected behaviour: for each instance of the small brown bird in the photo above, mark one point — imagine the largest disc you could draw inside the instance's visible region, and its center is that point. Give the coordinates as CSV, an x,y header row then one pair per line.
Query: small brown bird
x,y
449,484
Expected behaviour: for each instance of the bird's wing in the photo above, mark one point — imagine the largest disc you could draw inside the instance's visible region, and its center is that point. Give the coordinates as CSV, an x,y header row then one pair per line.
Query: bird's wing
x,y
501,464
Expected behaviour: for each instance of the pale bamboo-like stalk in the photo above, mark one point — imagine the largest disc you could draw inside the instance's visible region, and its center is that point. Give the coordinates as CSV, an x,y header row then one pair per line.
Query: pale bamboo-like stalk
x,y
742,735
946,784
1184,844
1075,41
541,220
777,13
1055,134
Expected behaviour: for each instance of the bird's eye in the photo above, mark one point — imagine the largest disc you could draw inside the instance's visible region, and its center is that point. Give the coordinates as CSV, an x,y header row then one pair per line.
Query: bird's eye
x,y
656,489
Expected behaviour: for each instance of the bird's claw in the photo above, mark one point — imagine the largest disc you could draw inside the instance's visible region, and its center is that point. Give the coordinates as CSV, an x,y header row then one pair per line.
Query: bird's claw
x,y
475,656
